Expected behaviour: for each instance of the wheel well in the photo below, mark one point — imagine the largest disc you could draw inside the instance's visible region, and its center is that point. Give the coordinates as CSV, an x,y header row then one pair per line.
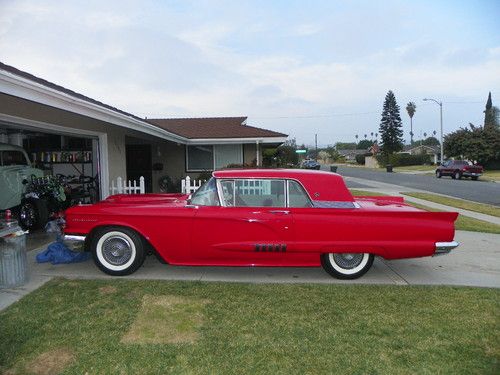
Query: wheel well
x,y
148,246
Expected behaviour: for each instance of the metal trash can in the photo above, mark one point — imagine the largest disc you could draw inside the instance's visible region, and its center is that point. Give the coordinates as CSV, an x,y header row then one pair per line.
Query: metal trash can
x,y
13,259
333,168
388,168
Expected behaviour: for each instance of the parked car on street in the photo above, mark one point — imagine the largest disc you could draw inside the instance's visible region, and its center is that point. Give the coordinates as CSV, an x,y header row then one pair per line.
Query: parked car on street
x,y
458,169
310,164
259,217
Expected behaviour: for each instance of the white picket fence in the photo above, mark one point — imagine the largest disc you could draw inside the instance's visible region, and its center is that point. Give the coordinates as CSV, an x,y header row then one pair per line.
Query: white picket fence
x,y
189,186
122,187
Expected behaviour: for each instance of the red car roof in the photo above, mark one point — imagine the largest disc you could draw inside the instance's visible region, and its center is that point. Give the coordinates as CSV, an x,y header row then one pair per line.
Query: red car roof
x,y
321,186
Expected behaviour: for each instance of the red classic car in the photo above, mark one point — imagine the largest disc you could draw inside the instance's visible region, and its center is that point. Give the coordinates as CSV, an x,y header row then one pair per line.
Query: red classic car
x,y
259,217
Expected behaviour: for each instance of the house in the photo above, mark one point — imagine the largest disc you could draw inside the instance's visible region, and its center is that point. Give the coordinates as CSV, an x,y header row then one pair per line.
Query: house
x,y
68,133
350,155
433,151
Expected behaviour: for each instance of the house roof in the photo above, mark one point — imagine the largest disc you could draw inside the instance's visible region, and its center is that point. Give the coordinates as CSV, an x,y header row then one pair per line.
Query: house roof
x,y
352,152
407,148
62,89
179,129
213,127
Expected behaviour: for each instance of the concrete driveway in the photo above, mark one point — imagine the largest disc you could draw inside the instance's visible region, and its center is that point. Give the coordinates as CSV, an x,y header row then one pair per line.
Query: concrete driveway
x,y
475,263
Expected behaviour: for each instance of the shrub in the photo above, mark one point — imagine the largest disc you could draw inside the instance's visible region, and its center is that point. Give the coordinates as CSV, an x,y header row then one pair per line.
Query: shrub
x,y
399,160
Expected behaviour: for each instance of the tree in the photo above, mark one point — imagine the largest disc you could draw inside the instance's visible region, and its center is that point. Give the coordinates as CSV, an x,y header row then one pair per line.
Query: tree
x,y
364,144
430,141
345,146
390,130
490,115
474,143
411,107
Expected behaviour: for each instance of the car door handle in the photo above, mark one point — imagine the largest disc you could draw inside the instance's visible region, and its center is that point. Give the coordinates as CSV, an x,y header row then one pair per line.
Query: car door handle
x,y
279,212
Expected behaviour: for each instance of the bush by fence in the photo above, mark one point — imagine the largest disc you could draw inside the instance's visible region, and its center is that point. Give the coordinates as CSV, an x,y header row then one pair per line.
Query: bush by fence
x,y
401,160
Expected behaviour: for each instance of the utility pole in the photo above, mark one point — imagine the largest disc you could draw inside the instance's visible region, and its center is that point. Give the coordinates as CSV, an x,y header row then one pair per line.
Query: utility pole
x,y
316,141
440,104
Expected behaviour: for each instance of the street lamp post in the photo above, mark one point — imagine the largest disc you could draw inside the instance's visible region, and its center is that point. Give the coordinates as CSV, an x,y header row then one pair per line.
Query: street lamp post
x,y
440,104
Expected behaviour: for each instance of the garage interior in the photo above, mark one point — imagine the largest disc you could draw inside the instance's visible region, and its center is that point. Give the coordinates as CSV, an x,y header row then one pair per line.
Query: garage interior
x,y
74,160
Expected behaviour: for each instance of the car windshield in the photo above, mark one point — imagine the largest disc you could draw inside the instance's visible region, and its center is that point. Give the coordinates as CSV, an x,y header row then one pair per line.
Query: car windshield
x,y
206,195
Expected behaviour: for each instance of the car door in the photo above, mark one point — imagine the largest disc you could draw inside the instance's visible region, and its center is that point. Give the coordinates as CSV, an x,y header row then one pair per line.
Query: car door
x,y
250,225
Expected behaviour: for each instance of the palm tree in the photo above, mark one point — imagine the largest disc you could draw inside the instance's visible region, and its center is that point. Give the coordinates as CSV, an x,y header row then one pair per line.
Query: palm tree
x,y
411,108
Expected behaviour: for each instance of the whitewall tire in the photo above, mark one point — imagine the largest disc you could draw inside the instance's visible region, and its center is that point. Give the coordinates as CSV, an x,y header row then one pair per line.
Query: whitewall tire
x,y
347,265
117,251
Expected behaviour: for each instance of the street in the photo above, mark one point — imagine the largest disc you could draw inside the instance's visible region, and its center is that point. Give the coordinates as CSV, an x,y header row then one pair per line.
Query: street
x,y
478,191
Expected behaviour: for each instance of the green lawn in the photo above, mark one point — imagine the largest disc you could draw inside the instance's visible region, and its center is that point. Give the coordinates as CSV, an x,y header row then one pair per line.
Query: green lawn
x,y
101,327
458,203
462,223
365,193
416,168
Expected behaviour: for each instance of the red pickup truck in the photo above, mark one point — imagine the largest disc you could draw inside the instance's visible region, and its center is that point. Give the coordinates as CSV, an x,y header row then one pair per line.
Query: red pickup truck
x,y
458,169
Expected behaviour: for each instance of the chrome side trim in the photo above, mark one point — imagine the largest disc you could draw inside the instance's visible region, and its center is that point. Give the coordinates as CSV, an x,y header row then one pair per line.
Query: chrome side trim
x,y
443,248
70,237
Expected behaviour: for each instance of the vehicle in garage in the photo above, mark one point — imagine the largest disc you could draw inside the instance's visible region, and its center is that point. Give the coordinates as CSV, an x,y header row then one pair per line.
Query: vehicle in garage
x,y
458,169
259,217
16,173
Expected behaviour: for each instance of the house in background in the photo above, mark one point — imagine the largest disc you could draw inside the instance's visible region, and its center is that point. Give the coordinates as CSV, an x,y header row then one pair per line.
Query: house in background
x,y
433,151
68,133
350,155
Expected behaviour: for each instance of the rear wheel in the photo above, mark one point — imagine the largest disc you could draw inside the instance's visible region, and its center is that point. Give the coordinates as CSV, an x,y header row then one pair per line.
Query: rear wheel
x,y
438,174
117,251
347,266
457,175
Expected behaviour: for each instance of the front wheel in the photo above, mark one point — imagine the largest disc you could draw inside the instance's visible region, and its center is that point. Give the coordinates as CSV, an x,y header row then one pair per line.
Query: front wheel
x,y
347,266
438,174
457,175
117,251
33,214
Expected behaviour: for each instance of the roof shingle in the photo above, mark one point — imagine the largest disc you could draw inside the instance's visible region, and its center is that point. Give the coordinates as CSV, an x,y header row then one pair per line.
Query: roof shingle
x,y
212,127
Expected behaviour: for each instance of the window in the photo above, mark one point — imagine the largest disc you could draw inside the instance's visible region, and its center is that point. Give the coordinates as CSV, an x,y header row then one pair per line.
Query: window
x,y
206,195
200,158
254,193
227,154
13,158
208,157
297,197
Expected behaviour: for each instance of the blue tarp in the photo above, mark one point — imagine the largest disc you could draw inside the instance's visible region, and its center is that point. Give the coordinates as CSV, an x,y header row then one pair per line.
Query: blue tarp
x,y
58,253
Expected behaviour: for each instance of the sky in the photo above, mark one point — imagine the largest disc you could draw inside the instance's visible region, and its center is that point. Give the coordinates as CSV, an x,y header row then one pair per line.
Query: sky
x,y
297,67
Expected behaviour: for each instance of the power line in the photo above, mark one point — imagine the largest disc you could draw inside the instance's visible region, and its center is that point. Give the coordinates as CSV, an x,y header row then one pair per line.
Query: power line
x,y
315,116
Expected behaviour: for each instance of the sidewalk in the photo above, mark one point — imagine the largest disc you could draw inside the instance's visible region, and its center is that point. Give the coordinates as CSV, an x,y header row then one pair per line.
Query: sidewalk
x,y
390,189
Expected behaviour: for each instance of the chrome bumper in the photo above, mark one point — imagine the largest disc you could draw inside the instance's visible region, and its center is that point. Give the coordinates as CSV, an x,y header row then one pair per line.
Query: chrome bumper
x,y
73,242
443,248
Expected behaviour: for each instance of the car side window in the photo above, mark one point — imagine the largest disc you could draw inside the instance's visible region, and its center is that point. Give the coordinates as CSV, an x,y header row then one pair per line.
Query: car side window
x,y
254,193
206,195
297,197
13,158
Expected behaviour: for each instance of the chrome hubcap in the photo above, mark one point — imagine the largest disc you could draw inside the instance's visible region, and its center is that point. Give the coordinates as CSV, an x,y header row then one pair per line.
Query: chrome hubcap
x,y
116,250
348,260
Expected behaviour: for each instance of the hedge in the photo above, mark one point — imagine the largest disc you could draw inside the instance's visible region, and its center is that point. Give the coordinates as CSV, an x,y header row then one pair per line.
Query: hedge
x,y
399,160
